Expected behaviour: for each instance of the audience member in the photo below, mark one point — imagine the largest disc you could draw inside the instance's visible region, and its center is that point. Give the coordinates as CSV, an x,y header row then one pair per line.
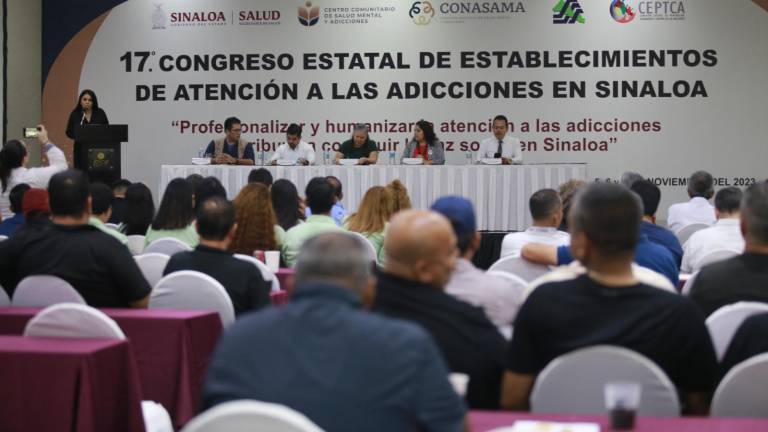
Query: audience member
x,y
231,149
560,317
101,209
9,225
698,209
37,211
547,213
195,180
567,192
338,212
139,210
629,178
13,168
294,149
176,215
498,298
119,189
751,339
372,218
650,195
95,264
421,254
745,277
209,187
286,204
260,175
320,197
216,227
257,227
347,369
725,234
400,195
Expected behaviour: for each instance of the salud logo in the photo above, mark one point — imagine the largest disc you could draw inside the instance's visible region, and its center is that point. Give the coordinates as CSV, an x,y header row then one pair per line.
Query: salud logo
x,y
421,12
568,12
621,12
308,15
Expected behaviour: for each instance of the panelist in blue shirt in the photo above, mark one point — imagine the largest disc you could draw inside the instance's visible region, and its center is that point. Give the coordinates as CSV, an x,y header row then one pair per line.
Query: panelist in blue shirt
x,y
231,149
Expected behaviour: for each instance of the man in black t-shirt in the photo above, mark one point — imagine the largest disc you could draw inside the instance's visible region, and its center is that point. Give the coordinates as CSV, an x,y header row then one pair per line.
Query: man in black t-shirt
x,y
607,305
360,147
96,264
744,277
242,280
751,339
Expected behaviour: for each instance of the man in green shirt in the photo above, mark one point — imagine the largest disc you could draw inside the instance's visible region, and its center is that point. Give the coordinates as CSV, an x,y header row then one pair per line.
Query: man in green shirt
x,y
360,147
101,210
320,198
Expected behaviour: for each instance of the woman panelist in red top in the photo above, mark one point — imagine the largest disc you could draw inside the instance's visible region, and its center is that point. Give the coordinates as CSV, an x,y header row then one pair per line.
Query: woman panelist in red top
x,y
425,145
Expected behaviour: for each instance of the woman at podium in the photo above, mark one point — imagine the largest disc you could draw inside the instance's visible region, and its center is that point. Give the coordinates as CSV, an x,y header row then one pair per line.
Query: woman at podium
x,y
86,112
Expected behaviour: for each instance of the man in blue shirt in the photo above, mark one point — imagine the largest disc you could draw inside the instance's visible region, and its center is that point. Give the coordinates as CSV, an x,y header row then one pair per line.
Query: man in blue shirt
x,y
338,212
231,150
16,197
344,368
650,194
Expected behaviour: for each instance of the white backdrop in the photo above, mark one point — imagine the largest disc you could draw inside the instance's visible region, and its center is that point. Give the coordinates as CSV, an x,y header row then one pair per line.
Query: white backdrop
x,y
724,132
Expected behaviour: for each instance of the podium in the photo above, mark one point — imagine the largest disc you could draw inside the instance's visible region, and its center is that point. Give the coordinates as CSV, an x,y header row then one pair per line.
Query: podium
x,y
100,151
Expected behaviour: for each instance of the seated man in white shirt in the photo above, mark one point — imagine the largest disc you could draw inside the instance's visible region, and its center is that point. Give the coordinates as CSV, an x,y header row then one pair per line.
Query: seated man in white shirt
x,y
294,149
698,209
500,145
724,235
547,212
498,298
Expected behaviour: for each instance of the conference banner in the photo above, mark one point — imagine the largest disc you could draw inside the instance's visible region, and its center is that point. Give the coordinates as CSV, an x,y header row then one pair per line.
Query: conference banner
x,y
659,87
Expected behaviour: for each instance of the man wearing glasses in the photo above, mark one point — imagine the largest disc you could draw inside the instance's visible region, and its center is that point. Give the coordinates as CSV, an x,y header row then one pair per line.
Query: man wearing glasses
x,y
231,149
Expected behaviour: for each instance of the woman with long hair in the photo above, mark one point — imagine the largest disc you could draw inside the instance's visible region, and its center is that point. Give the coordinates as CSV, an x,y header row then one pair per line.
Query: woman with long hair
x,y
400,198
286,204
139,210
86,112
176,215
424,145
13,168
372,218
257,227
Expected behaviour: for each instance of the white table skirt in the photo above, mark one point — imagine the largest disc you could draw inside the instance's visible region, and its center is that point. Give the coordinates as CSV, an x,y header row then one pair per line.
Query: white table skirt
x,y
500,193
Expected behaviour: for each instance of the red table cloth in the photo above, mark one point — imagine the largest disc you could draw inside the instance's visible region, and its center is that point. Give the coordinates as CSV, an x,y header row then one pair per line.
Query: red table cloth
x,y
172,350
83,385
482,421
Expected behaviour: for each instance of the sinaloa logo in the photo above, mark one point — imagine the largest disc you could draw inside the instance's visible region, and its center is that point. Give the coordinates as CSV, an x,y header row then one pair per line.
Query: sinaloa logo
x,y
621,12
568,12
308,15
421,12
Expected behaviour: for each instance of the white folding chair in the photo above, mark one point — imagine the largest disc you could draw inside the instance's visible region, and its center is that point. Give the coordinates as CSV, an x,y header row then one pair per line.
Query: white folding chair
x,y
69,320
3,237
520,267
44,290
687,231
168,246
715,256
266,273
574,382
152,266
136,244
250,415
688,284
724,322
112,226
188,289
742,392
4,299
372,255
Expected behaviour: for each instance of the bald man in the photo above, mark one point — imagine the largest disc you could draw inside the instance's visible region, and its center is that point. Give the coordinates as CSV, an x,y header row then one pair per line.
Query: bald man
x,y
421,254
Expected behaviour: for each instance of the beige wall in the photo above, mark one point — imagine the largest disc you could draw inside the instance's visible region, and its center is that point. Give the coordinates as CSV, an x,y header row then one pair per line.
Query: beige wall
x,y
24,69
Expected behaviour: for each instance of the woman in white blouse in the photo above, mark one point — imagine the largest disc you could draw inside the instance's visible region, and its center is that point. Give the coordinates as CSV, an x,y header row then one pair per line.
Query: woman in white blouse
x,y
13,167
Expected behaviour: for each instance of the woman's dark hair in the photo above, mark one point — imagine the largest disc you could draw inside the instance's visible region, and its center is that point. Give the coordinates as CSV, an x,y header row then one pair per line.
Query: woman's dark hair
x,y
429,132
209,187
11,157
176,210
139,209
285,201
95,102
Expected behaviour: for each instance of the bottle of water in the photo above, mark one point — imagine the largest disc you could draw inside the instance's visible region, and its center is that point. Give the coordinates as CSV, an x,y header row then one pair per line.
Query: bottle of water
x,y
392,158
201,152
326,158
429,153
469,158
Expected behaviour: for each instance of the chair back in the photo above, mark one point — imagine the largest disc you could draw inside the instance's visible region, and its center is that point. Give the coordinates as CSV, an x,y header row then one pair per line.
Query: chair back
x,y
715,256
189,289
136,244
112,226
520,267
688,284
71,320
168,246
687,231
250,415
44,290
152,266
372,255
4,299
3,237
742,392
266,273
574,383
724,322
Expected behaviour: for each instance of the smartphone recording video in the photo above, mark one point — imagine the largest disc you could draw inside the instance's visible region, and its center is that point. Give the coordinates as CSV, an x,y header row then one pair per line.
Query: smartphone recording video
x,y
31,132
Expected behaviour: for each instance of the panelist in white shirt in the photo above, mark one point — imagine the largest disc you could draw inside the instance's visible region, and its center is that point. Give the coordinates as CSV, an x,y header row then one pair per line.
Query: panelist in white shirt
x,y
547,212
294,149
500,145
